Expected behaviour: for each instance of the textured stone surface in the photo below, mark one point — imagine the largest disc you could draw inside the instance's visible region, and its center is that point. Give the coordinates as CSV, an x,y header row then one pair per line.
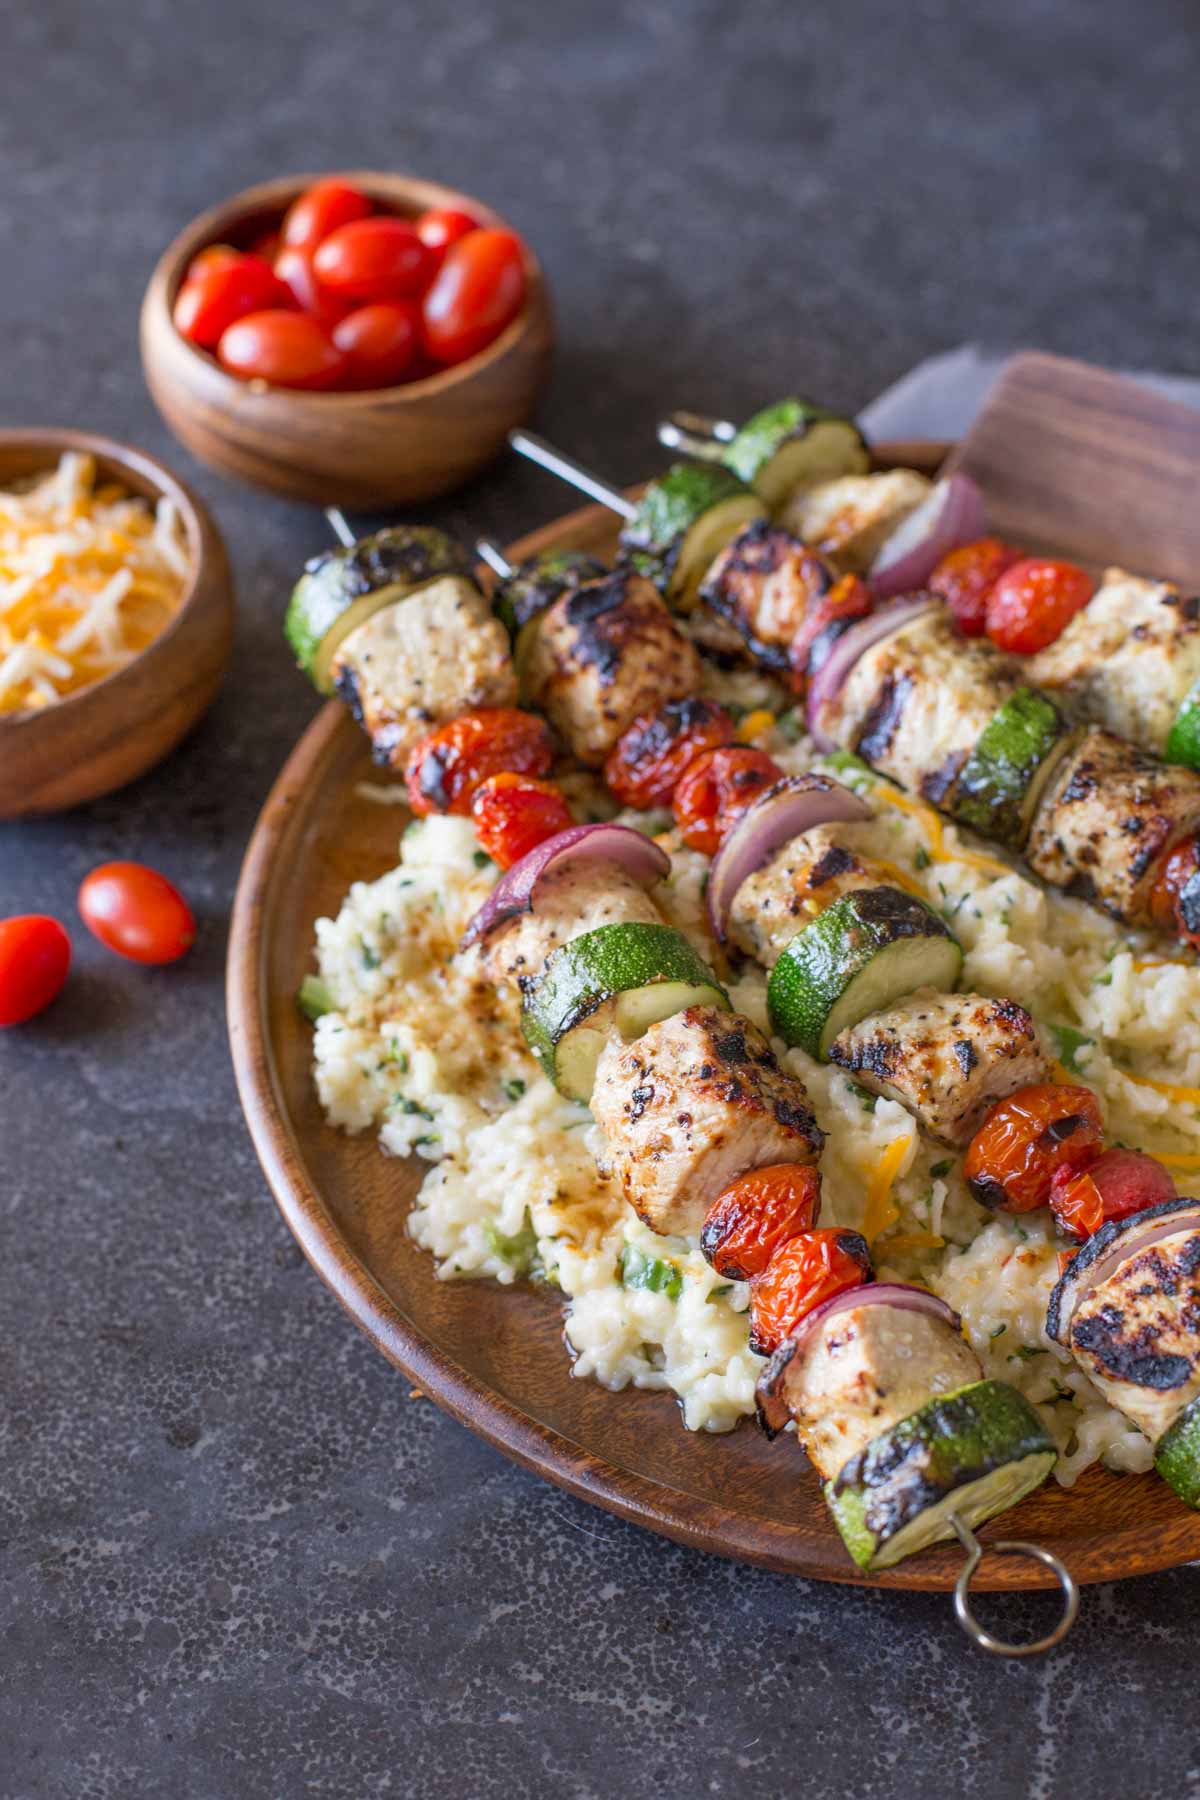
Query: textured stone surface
x,y
236,1560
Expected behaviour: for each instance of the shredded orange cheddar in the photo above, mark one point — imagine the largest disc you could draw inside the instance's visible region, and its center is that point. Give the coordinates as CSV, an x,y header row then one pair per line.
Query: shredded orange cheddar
x,y
756,724
937,843
882,1211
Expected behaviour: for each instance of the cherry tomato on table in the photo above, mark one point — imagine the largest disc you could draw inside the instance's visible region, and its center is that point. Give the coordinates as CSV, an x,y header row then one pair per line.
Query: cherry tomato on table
x,y
513,814
35,955
1033,601
1117,1185
715,791
380,258
137,912
445,768
802,1275
755,1214
378,342
219,289
320,210
288,349
1012,1159
644,767
442,226
479,288
294,267
965,577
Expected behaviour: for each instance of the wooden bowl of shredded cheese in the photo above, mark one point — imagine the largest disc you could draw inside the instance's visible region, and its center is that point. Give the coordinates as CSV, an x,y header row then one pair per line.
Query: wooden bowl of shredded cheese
x,y
116,616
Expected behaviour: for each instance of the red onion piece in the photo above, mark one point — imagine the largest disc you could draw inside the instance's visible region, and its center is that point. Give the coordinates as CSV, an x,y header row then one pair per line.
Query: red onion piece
x,y
1112,1245
951,515
516,890
830,678
787,810
876,1293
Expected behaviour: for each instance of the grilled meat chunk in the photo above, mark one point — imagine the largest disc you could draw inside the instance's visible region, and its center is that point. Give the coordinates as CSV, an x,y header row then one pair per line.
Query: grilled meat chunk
x,y
420,662
603,654
577,898
915,704
697,1100
850,519
946,1057
804,877
858,1374
766,584
1107,817
1128,659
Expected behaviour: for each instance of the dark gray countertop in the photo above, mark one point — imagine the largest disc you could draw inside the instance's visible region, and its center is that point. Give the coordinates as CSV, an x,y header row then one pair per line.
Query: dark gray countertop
x,y
235,1560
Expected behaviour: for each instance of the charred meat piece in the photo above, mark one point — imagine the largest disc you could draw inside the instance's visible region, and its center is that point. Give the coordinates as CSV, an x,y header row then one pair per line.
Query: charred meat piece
x,y
766,584
575,899
696,1101
850,519
803,878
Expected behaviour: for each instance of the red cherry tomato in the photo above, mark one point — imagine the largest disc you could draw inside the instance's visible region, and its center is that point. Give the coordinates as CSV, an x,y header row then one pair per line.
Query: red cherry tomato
x,y
1032,602
649,758
755,1214
267,245
137,912
378,342
35,954
288,349
1117,1185
210,256
445,768
222,289
715,790
442,226
478,289
1012,1159
802,1275
321,209
373,259
294,267
965,577
1175,897
513,814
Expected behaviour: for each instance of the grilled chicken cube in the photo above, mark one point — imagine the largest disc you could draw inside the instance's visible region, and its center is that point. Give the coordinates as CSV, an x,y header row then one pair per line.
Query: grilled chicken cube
x,y
946,1057
808,874
575,899
860,1373
420,662
766,584
850,519
696,1101
603,654
1109,814
915,704
1128,659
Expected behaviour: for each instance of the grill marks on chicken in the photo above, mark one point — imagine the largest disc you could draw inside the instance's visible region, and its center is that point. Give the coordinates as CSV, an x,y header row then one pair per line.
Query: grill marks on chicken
x,y
850,519
766,584
799,882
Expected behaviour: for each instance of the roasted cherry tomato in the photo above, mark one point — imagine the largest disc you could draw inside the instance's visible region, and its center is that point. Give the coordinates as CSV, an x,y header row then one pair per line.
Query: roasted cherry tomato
x,y
965,577
644,767
137,912
294,267
847,600
1117,1185
221,289
478,289
513,814
1175,896
378,342
373,259
1033,601
1013,1157
320,210
715,790
288,349
755,1214
445,768
35,954
442,226
802,1275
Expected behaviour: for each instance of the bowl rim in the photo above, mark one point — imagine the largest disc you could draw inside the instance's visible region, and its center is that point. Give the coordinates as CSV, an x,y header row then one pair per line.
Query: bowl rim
x,y
57,440
275,195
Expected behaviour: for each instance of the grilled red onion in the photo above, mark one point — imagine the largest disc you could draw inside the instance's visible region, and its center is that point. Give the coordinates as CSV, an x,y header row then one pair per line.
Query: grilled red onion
x,y
830,678
516,890
1104,1253
951,515
790,808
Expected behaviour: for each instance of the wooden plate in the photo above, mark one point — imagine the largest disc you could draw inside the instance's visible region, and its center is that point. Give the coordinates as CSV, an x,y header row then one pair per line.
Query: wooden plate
x,y
493,1357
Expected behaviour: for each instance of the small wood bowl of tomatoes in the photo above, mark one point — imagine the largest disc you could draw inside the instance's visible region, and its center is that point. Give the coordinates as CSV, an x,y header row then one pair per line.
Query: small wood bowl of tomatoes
x,y
360,339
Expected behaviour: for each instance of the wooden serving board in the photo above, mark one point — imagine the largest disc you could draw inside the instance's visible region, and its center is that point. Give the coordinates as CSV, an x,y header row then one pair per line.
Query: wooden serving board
x,y
494,1357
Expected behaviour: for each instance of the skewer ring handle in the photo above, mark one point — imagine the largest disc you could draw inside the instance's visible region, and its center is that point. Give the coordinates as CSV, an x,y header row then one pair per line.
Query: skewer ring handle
x,y
962,1592
696,434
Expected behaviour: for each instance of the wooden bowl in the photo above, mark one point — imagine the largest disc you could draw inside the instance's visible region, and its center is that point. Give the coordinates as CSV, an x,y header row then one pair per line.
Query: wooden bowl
x,y
366,450
107,734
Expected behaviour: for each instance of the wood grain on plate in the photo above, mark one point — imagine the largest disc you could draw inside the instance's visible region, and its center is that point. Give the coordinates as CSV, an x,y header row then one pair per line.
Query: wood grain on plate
x,y
493,1357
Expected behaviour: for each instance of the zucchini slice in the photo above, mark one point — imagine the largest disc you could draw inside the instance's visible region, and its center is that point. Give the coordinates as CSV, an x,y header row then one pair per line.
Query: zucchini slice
x,y
1177,1455
998,786
861,955
683,521
629,976
1183,739
974,1452
793,445
343,587
537,584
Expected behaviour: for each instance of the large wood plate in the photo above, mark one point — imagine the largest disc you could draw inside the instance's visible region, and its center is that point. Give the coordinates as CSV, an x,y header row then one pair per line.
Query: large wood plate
x,y
493,1358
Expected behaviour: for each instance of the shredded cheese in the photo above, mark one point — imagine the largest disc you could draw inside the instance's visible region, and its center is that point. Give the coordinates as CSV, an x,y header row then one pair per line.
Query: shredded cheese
x,y
756,724
1176,1159
933,827
882,1210
89,575
1190,1096
917,1240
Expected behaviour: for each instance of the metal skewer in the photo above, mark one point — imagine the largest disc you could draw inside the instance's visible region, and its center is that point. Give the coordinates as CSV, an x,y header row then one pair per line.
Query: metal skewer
x,y
528,444
341,526
962,1592
696,434
494,557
